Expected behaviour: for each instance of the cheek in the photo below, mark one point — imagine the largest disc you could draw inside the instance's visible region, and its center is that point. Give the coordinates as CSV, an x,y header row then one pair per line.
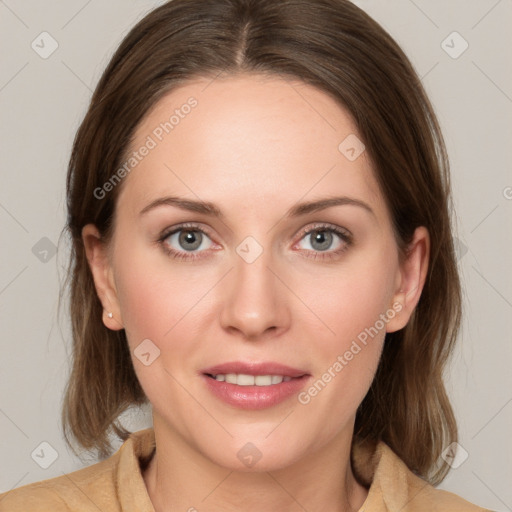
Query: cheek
x,y
153,296
354,306
349,300
162,300
161,304
144,300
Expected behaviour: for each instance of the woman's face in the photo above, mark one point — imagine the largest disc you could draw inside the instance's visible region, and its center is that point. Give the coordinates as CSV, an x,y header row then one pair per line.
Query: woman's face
x,y
264,280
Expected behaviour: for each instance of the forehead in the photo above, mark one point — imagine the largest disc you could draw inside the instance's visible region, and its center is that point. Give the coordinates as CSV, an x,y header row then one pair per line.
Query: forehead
x,y
244,140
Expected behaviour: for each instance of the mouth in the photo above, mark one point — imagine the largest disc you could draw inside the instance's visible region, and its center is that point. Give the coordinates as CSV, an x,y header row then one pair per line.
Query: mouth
x,y
254,385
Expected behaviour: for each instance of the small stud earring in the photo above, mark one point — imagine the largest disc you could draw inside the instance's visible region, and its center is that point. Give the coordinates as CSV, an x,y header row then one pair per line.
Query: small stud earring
x,y
109,314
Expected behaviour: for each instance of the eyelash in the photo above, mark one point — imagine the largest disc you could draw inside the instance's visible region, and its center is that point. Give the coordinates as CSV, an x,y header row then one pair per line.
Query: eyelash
x,y
343,234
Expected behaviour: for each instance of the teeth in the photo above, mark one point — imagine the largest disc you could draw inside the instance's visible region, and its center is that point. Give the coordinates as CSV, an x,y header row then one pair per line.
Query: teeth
x,y
241,379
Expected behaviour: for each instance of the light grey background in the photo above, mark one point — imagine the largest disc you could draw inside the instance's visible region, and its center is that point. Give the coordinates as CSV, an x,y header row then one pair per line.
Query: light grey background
x,y
42,102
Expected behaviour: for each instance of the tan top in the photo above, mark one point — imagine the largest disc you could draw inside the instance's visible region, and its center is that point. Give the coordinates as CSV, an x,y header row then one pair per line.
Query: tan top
x,y
116,485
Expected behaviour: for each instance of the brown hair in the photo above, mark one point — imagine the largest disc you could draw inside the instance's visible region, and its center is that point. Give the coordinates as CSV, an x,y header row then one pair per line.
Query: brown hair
x,y
336,47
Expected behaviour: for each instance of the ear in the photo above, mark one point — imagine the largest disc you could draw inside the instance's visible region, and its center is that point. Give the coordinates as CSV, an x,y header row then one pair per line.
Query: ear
x,y
410,279
99,262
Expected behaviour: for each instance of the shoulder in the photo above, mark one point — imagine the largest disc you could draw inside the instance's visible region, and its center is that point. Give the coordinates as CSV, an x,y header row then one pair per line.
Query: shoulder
x,y
111,485
426,498
394,487
85,490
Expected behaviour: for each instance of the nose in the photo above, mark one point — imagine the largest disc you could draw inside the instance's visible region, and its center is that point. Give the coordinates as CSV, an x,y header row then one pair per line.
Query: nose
x,y
255,305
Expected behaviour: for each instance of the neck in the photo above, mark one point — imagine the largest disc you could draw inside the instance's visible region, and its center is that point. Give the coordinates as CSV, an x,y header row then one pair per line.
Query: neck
x,y
179,478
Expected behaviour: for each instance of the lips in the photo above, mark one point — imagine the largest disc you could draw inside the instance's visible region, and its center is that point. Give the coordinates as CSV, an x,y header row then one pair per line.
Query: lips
x,y
243,395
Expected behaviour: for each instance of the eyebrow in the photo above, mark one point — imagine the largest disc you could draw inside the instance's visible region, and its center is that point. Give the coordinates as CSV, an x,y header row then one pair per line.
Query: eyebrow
x,y
211,209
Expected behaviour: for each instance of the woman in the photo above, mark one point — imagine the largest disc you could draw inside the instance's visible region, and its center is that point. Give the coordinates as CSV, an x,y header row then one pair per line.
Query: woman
x,y
259,210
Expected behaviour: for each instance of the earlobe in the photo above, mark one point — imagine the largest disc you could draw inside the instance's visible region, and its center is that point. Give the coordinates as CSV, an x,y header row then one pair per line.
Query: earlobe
x,y
97,257
411,279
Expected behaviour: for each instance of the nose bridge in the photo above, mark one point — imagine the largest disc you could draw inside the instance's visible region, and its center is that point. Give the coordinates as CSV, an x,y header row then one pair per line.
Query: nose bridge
x,y
254,303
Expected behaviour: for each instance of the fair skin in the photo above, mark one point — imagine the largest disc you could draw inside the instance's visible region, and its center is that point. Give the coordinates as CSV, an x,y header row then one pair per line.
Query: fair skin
x,y
255,147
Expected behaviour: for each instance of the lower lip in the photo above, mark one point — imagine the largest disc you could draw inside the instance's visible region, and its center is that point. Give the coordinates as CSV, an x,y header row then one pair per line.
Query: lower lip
x,y
255,397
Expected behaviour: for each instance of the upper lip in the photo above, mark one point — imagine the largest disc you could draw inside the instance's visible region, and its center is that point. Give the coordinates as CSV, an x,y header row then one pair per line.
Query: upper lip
x,y
264,368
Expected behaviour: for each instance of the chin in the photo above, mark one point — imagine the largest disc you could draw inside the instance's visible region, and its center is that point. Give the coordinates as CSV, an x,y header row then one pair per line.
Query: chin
x,y
251,458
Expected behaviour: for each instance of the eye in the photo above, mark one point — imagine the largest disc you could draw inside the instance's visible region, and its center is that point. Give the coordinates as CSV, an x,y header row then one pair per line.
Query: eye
x,y
183,242
327,239
188,241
